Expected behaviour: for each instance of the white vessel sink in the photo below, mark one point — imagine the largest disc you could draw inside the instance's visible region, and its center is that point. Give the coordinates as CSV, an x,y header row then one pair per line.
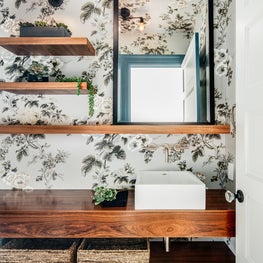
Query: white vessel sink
x,y
169,190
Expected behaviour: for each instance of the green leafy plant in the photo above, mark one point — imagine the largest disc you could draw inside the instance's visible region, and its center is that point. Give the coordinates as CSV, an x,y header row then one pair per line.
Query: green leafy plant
x,y
26,24
65,26
40,23
91,89
102,193
45,24
21,67
79,80
36,71
39,70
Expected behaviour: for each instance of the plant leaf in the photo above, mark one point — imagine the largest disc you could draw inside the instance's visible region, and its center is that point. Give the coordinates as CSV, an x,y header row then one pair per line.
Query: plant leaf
x,y
19,2
89,162
21,152
88,9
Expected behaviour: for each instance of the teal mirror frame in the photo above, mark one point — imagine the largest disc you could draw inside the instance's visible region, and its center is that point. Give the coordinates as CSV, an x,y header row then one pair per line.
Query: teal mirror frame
x,y
116,78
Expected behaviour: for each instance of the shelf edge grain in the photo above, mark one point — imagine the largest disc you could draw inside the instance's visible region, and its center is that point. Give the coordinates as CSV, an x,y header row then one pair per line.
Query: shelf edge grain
x,y
114,129
48,46
43,87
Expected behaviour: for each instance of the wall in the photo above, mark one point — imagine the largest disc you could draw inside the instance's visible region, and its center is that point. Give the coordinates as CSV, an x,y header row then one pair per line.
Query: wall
x,y
169,26
82,161
224,24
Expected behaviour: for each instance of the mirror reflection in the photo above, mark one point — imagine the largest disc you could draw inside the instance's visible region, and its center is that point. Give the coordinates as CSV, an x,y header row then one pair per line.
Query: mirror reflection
x,y
162,57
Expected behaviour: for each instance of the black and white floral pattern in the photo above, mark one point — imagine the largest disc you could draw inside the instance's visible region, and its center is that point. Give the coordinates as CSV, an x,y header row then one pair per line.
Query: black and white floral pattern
x,y
84,161
178,22
31,149
224,71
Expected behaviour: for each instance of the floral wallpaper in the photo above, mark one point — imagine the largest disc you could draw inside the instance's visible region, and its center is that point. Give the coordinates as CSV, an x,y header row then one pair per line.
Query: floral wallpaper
x,y
97,69
225,99
168,26
223,16
72,161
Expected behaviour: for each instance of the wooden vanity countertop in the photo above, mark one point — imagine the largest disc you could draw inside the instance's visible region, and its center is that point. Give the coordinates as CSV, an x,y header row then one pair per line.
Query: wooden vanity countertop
x,y
72,214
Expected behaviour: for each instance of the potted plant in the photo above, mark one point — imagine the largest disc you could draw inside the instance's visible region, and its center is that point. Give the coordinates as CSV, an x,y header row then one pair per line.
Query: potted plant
x,y
109,197
44,29
37,72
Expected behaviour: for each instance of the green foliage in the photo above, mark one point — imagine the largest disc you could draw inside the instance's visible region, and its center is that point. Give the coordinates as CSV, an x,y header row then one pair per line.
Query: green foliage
x,y
91,89
79,80
91,99
102,193
36,68
65,26
39,70
40,23
45,24
26,24
19,68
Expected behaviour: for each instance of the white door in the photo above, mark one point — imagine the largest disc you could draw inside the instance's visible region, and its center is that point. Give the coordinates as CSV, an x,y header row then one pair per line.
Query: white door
x,y
249,83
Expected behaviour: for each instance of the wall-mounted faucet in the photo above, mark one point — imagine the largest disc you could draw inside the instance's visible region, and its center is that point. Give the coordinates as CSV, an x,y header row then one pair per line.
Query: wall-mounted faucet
x,y
172,152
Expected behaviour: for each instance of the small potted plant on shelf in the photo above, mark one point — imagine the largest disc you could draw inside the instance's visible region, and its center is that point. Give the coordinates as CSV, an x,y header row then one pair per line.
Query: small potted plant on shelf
x,y
37,72
44,29
109,197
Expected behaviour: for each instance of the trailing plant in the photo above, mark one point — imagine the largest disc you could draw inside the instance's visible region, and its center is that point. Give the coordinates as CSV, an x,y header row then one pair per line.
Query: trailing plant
x,y
91,99
79,80
45,24
91,89
102,193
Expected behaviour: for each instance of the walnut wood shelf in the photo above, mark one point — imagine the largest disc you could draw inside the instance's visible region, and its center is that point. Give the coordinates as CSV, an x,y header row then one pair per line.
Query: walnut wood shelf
x,y
71,213
43,87
48,46
114,129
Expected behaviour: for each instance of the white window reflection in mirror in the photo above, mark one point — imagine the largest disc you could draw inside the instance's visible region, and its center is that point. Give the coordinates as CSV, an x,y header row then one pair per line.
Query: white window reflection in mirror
x,y
156,82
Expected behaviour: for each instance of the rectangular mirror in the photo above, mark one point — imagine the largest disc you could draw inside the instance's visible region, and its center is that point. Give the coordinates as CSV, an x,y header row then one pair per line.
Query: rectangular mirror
x,y
163,62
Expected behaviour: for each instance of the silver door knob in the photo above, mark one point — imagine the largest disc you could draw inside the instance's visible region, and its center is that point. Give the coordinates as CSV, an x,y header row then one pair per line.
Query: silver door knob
x,y
230,197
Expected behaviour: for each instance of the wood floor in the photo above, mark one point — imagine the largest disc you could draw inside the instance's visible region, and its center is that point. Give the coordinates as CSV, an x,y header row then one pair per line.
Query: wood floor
x,y
192,252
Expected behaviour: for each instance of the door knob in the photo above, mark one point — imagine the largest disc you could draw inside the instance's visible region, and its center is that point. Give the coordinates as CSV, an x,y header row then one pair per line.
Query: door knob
x,y
231,196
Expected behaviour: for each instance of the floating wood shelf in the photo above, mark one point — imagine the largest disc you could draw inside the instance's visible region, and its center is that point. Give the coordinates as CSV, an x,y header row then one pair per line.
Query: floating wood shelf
x,y
43,87
48,46
114,129
71,213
